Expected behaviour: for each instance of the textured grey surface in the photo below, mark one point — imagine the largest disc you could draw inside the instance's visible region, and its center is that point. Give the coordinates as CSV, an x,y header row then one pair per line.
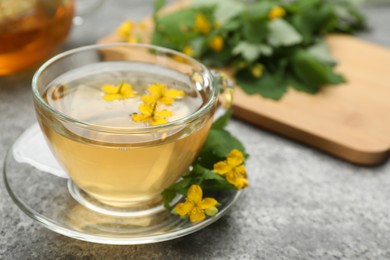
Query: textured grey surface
x,y
302,204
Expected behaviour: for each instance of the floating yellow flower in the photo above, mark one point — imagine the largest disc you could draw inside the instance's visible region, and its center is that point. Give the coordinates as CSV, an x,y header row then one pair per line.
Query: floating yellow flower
x,y
202,25
160,93
125,29
216,43
150,114
233,169
188,50
276,12
257,70
122,91
195,207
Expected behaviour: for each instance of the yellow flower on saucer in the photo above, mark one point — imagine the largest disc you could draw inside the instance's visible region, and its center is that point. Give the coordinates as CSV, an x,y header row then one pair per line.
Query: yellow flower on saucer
x,y
160,93
276,12
202,25
195,207
233,169
121,91
149,113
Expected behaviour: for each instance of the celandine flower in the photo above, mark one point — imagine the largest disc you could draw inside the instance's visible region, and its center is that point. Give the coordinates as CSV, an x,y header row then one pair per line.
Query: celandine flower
x,y
150,114
233,169
188,50
202,25
257,70
216,43
121,91
160,93
276,12
125,29
195,207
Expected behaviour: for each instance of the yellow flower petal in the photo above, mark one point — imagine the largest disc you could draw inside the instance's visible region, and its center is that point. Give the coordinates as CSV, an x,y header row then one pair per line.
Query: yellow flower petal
x,y
125,29
221,168
140,117
195,193
174,93
111,97
149,99
157,89
166,101
236,180
126,91
197,215
188,50
110,89
257,70
184,209
158,121
241,171
217,43
276,12
146,109
202,25
163,113
207,203
235,158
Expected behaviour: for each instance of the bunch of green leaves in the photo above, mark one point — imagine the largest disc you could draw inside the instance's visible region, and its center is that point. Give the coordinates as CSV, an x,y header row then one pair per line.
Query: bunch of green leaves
x,y
289,50
218,145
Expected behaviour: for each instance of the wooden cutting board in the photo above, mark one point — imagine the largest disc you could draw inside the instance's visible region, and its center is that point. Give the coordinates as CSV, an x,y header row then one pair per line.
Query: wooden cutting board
x,y
350,121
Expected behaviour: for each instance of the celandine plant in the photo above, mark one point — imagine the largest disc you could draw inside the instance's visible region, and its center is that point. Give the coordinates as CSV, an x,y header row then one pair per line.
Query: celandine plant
x,y
268,44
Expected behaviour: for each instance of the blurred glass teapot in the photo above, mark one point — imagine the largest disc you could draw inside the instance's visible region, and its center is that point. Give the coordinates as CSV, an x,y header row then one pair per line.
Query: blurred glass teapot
x,y
30,30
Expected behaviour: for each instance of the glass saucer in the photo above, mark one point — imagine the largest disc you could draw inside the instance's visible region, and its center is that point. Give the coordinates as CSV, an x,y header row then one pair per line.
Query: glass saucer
x,y
45,198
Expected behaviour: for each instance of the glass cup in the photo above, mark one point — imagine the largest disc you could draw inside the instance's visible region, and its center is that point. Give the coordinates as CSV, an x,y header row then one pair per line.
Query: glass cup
x,y
116,166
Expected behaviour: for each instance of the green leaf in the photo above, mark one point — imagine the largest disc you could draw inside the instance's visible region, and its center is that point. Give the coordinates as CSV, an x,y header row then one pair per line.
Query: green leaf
x,y
259,11
251,52
180,187
227,10
271,86
311,71
301,86
254,31
171,34
321,51
218,145
223,120
212,180
224,9
282,33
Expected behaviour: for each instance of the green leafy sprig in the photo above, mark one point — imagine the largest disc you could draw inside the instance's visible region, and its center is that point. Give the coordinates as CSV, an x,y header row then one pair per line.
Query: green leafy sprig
x,y
218,145
267,54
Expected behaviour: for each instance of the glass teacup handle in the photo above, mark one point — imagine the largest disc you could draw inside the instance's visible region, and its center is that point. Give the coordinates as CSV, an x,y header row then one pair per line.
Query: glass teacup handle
x,y
223,83
226,88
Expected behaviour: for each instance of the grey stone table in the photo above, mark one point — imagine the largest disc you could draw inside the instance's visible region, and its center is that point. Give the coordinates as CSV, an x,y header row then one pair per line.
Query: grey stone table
x,y
301,204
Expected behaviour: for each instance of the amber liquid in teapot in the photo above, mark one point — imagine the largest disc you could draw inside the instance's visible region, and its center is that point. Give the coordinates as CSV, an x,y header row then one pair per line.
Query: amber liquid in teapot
x,y
30,30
